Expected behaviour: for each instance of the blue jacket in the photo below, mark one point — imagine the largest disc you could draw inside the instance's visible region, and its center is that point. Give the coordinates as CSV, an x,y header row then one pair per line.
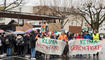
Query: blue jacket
x,y
87,36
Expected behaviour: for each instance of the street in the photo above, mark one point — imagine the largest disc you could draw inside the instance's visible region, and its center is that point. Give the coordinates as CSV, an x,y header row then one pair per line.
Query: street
x,y
61,58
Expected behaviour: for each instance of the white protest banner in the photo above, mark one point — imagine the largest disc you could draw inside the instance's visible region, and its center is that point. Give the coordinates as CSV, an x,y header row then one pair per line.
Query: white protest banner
x,y
50,46
84,46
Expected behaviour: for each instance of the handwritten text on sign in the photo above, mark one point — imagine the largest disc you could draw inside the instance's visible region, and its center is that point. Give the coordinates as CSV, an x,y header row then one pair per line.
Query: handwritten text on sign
x,y
84,47
50,46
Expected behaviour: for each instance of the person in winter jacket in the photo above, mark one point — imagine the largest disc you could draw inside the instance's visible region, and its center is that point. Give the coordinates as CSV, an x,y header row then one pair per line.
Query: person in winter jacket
x,y
26,43
20,44
8,42
33,44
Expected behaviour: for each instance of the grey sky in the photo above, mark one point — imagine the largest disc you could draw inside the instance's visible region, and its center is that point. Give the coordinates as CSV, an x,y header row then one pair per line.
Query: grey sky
x,y
64,3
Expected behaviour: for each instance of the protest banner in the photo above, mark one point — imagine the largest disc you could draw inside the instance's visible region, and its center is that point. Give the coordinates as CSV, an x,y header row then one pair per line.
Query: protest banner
x,y
84,46
50,46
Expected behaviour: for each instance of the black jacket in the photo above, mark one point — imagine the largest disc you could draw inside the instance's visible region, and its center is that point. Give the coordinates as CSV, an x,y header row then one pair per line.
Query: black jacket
x,y
33,40
26,40
9,41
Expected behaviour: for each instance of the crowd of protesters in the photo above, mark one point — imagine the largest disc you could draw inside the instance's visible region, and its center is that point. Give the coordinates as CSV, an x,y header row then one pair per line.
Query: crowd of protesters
x,y
23,44
18,44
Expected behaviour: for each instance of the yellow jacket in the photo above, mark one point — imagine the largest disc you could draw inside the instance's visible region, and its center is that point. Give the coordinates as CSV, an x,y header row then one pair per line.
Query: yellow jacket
x,y
96,37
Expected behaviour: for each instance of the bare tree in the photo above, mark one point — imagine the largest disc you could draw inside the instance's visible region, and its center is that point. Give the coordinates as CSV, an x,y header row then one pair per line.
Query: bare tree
x,y
63,11
11,5
93,11
93,15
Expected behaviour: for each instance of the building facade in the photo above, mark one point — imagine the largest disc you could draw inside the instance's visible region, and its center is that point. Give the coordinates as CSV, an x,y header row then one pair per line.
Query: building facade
x,y
71,20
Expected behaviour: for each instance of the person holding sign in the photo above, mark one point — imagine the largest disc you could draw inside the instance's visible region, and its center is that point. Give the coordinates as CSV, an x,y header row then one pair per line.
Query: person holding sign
x,y
64,37
96,38
33,39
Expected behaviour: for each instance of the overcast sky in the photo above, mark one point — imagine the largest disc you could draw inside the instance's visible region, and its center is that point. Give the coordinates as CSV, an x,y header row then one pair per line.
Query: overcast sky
x,y
63,3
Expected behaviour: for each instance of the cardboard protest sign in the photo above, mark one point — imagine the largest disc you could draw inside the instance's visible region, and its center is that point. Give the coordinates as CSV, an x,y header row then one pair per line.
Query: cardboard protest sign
x,y
24,28
43,27
27,26
50,46
18,28
54,27
84,47
75,29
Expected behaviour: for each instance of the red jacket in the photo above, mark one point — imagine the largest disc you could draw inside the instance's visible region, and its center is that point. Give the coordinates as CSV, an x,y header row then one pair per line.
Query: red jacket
x,y
79,37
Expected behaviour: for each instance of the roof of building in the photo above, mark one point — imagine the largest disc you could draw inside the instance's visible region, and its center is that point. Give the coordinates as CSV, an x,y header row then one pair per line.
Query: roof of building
x,y
22,15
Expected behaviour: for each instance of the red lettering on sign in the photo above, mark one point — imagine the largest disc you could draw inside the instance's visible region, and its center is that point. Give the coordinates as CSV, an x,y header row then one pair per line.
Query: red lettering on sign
x,y
99,46
96,47
56,48
83,48
87,47
75,47
46,47
91,47
79,47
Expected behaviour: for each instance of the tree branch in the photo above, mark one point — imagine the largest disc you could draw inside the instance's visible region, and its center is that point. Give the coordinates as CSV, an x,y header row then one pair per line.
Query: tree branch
x,y
94,15
5,3
83,11
102,17
10,4
84,18
7,7
90,14
16,5
98,15
66,22
102,21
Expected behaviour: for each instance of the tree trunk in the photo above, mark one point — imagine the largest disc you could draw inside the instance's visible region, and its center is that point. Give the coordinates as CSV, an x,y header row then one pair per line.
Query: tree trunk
x,y
96,27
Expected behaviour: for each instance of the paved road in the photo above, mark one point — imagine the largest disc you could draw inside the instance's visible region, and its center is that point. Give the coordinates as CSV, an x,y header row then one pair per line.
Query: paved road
x,y
101,57
62,58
